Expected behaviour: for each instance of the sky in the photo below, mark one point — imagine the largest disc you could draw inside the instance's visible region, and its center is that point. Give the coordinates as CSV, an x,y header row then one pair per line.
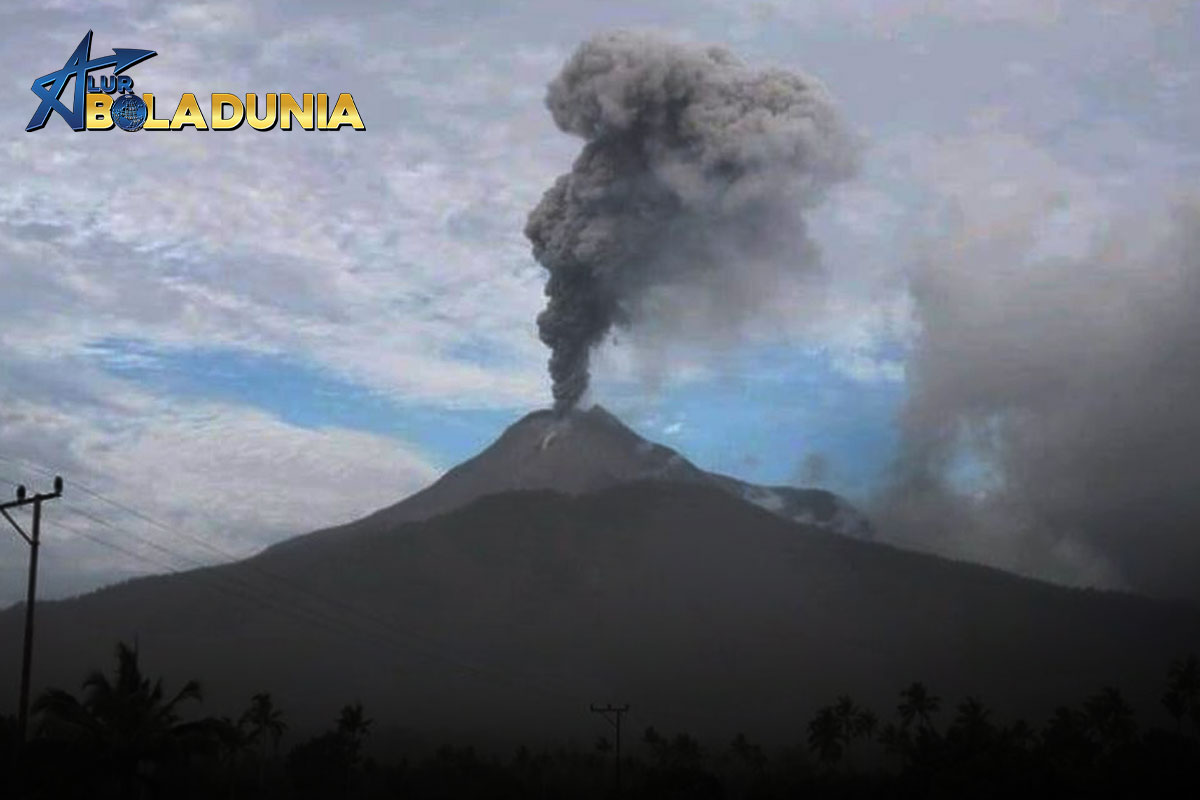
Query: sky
x,y
224,339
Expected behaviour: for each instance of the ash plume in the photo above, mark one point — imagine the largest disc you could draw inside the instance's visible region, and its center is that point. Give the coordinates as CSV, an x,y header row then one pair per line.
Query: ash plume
x,y
685,207
1073,381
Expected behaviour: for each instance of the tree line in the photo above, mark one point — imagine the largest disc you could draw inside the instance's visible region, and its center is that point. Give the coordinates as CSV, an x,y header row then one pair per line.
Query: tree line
x,y
125,736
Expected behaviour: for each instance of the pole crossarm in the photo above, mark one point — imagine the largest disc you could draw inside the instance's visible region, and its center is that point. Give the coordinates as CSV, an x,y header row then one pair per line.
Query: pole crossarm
x,y
605,711
16,526
28,501
612,715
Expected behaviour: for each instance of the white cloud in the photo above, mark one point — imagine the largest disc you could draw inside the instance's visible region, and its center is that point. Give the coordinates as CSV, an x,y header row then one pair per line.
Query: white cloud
x,y
237,479
888,17
373,255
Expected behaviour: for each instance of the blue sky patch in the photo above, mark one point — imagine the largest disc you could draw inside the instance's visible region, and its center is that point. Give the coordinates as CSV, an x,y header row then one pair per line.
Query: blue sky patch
x,y
784,407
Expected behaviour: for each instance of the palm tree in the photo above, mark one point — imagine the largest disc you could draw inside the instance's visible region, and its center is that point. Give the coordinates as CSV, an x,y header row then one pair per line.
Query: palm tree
x,y
749,754
1182,697
972,731
326,764
865,724
1017,737
1109,719
973,716
232,741
127,726
846,712
262,722
896,740
353,727
1065,738
825,735
918,704
835,728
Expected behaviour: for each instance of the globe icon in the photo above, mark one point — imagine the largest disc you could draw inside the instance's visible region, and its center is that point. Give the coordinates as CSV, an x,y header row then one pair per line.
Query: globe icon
x,y
129,112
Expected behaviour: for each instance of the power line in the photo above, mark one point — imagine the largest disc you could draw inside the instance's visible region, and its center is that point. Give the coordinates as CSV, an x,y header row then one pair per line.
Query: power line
x,y
245,591
440,650
223,583
113,546
143,539
257,569
248,590
143,516
310,616
304,616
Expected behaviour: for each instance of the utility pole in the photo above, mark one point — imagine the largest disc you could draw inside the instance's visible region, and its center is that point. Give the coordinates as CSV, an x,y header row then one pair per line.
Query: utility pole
x,y
613,714
33,539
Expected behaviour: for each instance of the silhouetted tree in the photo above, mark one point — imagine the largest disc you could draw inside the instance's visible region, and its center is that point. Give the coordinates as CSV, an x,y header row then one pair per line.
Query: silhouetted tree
x,y
970,752
126,727
834,729
971,723
825,735
1182,697
917,704
325,765
1018,737
748,754
262,723
1020,734
896,740
232,743
353,726
123,737
678,770
1065,741
1109,719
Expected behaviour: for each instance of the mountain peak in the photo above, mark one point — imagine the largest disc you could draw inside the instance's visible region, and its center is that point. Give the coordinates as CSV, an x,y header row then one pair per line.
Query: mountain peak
x,y
589,450
597,417
580,451
582,432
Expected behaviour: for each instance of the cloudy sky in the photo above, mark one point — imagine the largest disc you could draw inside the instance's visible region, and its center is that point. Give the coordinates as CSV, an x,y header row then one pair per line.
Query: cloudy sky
x,y
239,336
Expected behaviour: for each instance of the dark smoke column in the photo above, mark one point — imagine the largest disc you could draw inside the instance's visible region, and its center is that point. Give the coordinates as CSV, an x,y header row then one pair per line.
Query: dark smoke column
x,y
693,180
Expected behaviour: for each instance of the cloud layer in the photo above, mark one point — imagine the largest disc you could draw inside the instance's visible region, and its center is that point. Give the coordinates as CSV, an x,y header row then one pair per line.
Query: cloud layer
x,y
218,481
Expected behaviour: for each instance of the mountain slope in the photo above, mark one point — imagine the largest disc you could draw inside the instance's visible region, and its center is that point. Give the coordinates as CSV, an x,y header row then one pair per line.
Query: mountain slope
x,y
507,616
586,451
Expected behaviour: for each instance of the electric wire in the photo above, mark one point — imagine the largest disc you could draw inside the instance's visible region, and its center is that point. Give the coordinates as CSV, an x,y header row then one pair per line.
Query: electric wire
x,y
439,650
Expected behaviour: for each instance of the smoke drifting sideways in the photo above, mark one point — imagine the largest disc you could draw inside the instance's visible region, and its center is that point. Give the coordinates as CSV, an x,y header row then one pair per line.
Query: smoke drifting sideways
x,y
685,208
1074,385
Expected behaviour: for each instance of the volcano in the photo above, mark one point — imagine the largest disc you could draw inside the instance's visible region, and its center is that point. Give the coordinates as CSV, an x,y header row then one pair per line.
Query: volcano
x,y
573,562
585,451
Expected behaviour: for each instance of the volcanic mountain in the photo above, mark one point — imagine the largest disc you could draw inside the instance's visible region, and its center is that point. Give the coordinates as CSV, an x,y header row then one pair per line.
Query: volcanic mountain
x,y
588,451
574,562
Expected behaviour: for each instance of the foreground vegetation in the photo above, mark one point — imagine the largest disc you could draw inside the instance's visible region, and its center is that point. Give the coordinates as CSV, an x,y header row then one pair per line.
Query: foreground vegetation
x,y
126,737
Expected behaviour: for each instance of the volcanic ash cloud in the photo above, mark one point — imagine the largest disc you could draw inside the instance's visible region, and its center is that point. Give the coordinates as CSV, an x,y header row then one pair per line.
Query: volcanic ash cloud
x,y
684,213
